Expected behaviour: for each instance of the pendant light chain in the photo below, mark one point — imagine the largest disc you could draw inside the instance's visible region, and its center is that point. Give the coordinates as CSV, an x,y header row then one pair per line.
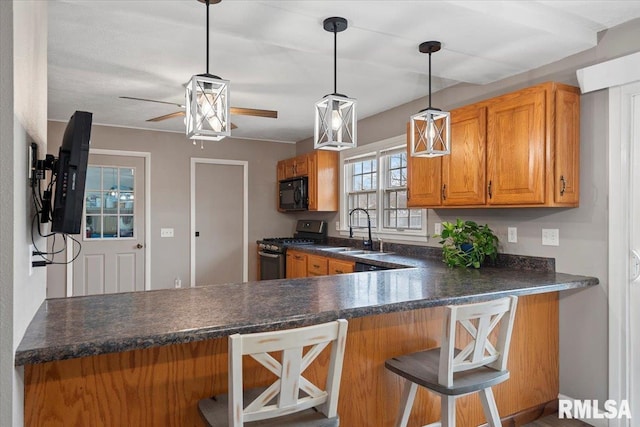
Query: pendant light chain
x,y
429,79
207,3
335,58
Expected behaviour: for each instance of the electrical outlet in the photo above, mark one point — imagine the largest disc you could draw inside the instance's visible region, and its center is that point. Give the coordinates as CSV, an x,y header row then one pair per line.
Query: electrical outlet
x,y
437,228
338,225
550,237
166,232
512,234
177,283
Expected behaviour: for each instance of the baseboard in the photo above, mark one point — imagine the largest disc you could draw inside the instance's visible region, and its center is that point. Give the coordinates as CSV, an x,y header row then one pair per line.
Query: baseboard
x,y
530,414
596,422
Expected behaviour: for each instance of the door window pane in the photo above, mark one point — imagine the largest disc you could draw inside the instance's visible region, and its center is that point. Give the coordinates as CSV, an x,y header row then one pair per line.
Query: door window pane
x,y
109,203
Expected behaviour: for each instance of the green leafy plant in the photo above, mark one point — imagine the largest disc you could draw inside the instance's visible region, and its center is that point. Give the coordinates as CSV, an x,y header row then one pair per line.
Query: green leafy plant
x,y
467,244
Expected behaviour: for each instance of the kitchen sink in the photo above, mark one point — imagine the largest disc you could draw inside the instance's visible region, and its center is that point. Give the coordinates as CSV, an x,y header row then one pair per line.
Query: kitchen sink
x,y
364,252
338,249
344,250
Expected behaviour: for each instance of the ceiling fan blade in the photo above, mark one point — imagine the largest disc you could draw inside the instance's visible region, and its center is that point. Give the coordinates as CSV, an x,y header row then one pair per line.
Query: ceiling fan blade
x,y
177,114
166,116
151,100
254,112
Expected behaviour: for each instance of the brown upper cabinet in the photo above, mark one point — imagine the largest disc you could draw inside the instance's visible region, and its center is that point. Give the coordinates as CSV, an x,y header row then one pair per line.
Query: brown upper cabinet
x,y
294,167
321,167
517,150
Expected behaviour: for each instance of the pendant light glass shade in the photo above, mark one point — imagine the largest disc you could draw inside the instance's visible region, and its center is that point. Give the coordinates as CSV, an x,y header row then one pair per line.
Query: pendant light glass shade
x,y
207,108
335,126
335,114
430,128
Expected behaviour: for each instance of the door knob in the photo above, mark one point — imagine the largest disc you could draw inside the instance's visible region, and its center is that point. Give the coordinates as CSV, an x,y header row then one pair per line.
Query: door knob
x,y
139,246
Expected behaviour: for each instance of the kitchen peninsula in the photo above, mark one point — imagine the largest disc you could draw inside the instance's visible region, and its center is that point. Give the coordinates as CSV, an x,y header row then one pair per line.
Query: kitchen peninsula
x,y
147,358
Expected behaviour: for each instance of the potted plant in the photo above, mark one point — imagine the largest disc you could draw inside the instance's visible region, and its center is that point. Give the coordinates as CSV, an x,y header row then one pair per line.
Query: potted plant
x,y
467,244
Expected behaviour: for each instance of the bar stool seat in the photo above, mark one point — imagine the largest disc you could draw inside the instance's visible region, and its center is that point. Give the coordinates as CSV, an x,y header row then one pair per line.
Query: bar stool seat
x,y
452,372
215,411
291,400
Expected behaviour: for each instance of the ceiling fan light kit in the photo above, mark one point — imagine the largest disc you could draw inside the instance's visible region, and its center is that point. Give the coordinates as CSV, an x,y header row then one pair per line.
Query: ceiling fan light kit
x,y
335,114
207,102
430,128
207,108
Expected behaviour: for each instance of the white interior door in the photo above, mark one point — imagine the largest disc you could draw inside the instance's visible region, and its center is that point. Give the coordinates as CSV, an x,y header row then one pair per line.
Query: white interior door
x,y
112,257
219,221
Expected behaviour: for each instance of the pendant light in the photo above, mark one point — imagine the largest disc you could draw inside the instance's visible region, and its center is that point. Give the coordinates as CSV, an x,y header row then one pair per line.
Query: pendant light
x,y
335,114
207,102
431,127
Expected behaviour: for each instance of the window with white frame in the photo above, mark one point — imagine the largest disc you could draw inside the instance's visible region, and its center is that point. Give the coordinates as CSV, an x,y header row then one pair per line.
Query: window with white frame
x,y
375,179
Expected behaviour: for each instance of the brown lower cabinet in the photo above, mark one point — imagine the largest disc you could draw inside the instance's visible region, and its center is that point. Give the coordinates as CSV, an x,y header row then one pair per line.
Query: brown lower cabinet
x,y
317,265
338,266
301,264
296,264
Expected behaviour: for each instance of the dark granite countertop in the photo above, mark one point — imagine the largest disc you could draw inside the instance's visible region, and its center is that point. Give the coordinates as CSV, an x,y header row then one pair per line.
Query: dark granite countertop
x,y
75,327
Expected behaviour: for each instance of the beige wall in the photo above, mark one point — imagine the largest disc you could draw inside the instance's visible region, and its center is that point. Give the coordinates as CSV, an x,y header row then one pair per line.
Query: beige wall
x,y
23,112
170,194
583,231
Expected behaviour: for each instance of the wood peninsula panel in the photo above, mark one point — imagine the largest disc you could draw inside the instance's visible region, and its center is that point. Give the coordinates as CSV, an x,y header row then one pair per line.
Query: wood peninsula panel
x,y
162,385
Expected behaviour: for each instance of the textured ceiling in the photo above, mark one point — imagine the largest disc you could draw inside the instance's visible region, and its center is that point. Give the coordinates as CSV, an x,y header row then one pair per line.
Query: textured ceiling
x,y
277,55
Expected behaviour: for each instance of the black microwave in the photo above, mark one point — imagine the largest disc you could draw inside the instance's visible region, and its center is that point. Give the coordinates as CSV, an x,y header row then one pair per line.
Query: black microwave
x,y
294,194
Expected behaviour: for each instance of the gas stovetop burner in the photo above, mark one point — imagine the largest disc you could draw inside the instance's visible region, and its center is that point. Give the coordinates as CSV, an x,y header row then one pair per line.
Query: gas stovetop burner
x,y
289,240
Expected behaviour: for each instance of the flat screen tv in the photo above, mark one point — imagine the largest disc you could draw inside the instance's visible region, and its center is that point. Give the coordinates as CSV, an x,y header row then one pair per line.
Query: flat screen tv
x,y
70,173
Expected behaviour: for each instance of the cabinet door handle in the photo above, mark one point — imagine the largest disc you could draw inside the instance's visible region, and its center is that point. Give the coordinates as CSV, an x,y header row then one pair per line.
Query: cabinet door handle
x,y
316,266
339,272
408,194
563,185
444,191
489,189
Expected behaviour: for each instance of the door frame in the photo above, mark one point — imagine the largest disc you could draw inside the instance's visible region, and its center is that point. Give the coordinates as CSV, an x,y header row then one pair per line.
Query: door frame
x,y
245,212
147,216
621,135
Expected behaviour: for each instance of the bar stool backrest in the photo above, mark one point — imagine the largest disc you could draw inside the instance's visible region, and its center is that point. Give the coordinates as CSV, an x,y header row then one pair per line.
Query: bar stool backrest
x,y
479,320
291,392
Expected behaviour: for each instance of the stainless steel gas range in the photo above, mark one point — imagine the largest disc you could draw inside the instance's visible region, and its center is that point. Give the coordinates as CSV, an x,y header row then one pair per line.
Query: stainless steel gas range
x,y
272,250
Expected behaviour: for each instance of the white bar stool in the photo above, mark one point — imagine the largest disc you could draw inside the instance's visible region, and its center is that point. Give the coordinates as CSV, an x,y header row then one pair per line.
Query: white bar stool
x,y
451,372
291,400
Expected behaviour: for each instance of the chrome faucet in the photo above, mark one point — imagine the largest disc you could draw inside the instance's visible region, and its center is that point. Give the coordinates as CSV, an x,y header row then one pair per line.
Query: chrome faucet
x,y
368,244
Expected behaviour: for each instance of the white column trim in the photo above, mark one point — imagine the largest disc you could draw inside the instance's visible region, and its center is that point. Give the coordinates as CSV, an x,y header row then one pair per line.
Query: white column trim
x,y
245,214
616,72
620,122
147,216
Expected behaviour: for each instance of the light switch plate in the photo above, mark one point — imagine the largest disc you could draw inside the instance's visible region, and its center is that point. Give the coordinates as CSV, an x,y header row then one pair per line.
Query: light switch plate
x,y
550,237
166,232
338,225
437,228
512,234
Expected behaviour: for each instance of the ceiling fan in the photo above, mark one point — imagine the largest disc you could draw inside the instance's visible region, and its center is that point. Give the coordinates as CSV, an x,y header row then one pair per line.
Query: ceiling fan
x,y
238,111
207,108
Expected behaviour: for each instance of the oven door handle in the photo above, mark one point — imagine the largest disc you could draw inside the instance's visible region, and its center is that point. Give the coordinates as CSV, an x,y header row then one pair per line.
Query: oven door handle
x,y
268,255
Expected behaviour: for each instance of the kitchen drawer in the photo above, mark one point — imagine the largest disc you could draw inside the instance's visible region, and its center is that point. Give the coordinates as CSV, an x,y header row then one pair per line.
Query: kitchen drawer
x,y
317,265
337,266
